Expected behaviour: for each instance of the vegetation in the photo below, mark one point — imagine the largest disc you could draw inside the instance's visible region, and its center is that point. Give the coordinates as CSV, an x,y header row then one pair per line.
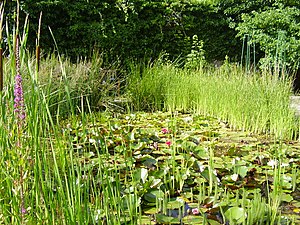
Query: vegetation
x,y
164,142
252,102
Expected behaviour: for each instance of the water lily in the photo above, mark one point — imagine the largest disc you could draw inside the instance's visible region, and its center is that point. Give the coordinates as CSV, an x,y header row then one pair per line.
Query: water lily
x,y
272,163
168,143
164,130
234,177
195,211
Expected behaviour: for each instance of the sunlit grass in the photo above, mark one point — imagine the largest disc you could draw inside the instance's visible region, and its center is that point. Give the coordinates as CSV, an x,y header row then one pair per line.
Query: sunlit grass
x,y
256,102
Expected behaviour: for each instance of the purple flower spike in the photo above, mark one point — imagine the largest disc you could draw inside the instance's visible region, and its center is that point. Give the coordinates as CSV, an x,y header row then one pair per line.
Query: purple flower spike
x,y
23,211
19,106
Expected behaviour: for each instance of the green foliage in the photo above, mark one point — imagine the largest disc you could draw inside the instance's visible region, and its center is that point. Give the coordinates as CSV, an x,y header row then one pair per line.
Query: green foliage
x,y
196,58
276,30
259,103
130,29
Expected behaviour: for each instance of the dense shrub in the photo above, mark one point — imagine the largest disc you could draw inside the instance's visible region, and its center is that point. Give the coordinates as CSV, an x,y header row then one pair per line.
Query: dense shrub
x,y
130,29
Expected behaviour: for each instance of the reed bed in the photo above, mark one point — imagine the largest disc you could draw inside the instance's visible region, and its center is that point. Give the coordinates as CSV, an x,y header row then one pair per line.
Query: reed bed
x,y
257,102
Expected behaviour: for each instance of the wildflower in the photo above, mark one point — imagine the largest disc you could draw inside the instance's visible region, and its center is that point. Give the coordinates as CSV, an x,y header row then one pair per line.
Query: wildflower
x,y
23,211
19,99
19,107
180,200
168,143
19,110
187,119
195,211
272,163
234,177
164,130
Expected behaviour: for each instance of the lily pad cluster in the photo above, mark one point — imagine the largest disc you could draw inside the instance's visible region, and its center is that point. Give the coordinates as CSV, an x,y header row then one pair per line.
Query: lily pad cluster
x,y
189,169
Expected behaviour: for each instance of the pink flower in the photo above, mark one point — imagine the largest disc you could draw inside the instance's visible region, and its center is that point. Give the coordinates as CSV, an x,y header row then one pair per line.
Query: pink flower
x,y
195,211
168,143
164,130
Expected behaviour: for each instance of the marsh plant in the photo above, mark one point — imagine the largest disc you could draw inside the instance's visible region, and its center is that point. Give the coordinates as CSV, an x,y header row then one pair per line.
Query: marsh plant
x,y
257,102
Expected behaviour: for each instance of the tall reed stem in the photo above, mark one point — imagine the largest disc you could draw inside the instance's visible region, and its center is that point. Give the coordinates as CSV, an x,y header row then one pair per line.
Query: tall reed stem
x,y
1,70
38,48
1,50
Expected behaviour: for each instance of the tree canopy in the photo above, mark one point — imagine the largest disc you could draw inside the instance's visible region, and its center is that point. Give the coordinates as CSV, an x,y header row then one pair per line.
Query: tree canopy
x,y
144,29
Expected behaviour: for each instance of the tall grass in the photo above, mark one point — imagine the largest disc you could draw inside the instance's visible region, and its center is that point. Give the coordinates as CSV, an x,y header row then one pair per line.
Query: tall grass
x,y
41,179
257,102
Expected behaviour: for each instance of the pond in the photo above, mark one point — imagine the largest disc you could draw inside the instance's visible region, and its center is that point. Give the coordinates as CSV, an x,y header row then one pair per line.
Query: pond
x,y
173,168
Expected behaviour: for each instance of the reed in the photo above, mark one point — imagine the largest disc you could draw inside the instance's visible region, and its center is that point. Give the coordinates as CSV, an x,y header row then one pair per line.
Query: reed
x,y
256,102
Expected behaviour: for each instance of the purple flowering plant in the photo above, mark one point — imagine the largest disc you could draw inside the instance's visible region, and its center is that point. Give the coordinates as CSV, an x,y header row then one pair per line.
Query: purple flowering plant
x,y
20,115
19,106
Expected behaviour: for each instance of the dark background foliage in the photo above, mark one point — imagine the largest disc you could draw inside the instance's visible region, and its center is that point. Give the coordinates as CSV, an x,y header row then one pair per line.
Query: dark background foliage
x,y
140,29
130,29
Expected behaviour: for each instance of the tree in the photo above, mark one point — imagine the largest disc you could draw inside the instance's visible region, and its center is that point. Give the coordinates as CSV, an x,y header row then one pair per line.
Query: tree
x,y
131,29
276,30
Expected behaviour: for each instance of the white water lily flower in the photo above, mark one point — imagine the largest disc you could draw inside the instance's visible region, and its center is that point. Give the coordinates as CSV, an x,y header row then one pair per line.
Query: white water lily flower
x,y
187,119
272,163
92,141
201,167
215,172
234,177
287,178
180,200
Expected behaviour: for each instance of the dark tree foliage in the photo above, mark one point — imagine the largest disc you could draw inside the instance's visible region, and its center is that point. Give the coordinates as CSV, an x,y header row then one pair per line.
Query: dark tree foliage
x,y
130,29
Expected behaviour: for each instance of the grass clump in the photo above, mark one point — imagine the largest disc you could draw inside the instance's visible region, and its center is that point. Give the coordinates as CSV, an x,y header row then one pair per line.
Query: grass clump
x,y
257,102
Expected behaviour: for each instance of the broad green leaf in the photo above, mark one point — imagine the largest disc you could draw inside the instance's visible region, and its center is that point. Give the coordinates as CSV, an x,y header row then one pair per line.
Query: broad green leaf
x,y
166,219
153,195
235,214
286,197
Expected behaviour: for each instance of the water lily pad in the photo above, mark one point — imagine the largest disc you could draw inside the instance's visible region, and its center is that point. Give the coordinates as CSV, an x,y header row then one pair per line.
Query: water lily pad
x,y
153,195
193,220
146,220
235,214
152,210
160,218
141,174
286,197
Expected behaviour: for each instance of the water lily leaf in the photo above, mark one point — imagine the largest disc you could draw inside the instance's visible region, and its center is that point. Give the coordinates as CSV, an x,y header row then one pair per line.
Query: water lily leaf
x,y
235,214
153,195
193,220
160,218
149,162
242,171
213,222
201,152
210,133
188,145
145,220
141,174
152,210
206,174
286,197
296,204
